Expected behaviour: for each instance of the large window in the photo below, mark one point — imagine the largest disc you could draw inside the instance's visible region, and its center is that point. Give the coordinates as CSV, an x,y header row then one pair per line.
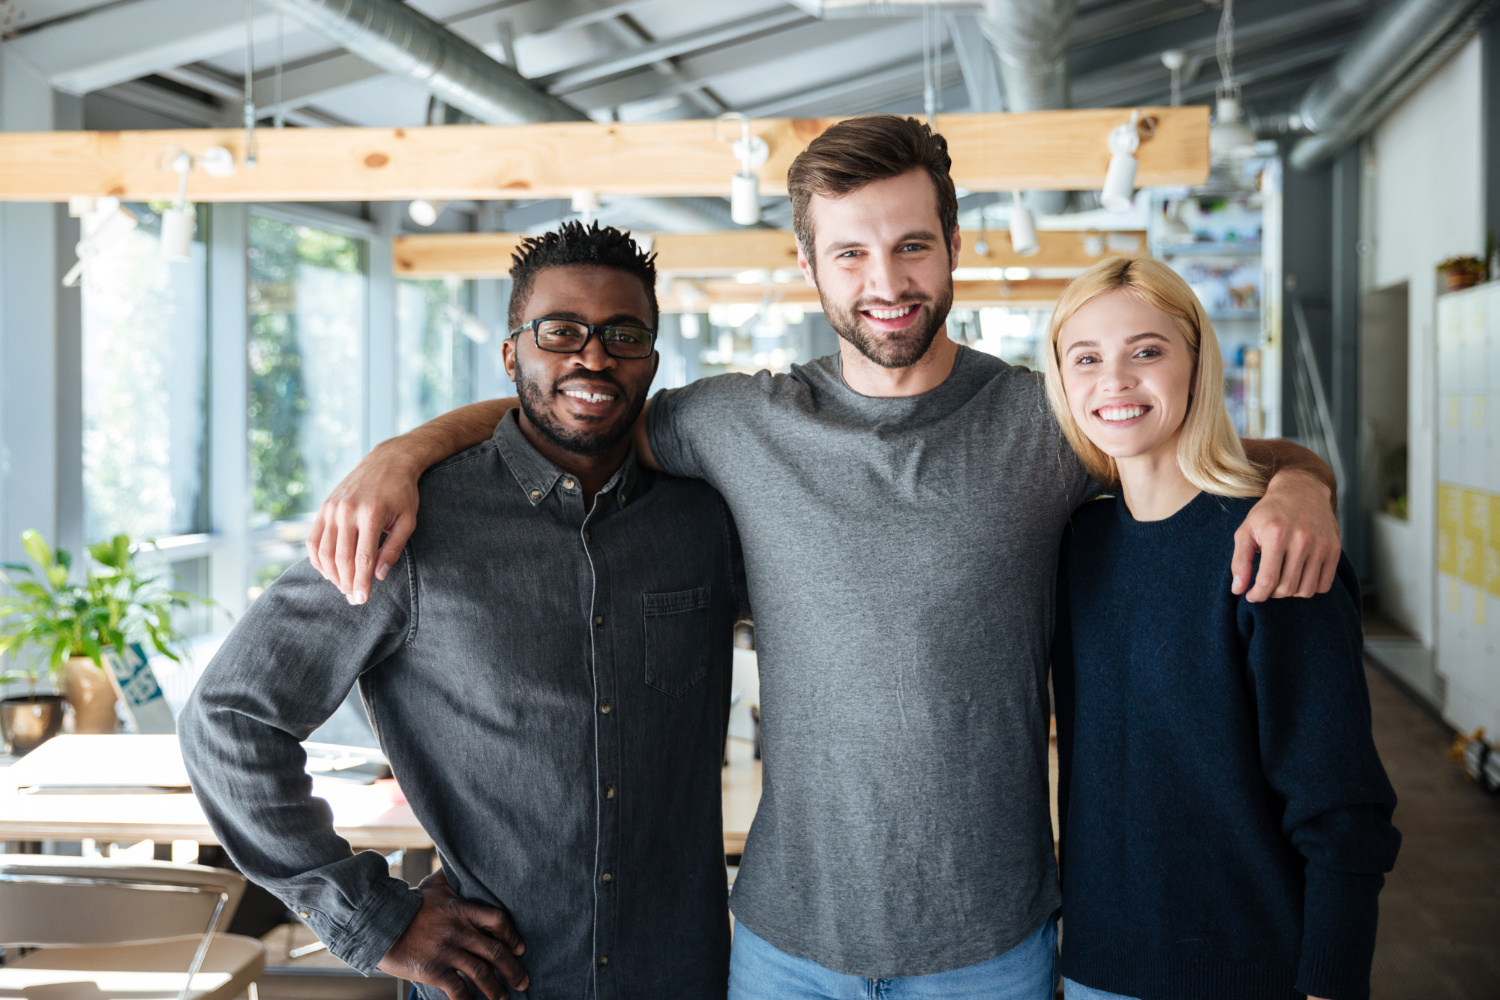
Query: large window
x,y
307,321
145,352
435,332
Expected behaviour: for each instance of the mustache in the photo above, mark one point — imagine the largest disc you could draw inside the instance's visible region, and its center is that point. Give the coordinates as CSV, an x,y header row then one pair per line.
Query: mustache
x,y
917,298
597,383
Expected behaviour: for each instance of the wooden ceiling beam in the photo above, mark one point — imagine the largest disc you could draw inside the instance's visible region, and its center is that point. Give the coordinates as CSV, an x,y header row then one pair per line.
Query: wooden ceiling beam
x,y
487,255
1045,150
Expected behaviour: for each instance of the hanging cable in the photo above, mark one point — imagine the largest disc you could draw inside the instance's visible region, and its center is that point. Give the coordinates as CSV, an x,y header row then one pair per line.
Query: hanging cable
x,y
932,60
1224,49
252,156
279,119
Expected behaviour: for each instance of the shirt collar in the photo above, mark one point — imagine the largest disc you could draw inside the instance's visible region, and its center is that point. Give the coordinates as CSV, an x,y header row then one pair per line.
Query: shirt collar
x,y
538,476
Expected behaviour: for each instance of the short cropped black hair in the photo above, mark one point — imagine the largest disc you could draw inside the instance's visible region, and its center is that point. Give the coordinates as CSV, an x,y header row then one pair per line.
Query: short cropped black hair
x,y
575,243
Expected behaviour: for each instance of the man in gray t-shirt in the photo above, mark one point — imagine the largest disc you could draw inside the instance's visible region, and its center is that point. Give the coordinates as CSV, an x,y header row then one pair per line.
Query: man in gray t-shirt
x,y
900,506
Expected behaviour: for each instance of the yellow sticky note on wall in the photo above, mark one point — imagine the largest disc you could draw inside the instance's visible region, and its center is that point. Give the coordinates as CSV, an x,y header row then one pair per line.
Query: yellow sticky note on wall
x,y
1450,506
1476,514
1448,552
1470,566
1492,568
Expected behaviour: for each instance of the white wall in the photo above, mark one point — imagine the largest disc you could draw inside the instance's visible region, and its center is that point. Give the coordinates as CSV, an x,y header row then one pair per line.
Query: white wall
x,y
1425,184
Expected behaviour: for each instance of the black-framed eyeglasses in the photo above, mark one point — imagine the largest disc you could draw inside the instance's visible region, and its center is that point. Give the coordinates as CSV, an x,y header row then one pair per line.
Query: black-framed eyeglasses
x,y
566,336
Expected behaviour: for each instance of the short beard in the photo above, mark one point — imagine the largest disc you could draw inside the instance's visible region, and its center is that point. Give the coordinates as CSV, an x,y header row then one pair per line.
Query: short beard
x,y
590,443
901,350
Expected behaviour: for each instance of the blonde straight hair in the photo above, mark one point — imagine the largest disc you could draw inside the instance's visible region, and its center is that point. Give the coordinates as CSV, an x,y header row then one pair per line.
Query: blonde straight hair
x,y
1209,451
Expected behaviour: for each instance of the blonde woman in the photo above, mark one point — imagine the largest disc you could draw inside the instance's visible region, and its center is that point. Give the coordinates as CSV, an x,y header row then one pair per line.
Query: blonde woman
x,y
1226,821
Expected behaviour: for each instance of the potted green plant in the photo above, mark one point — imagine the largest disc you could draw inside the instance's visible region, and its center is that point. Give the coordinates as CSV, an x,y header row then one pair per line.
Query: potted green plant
x,y
74,625
1460,272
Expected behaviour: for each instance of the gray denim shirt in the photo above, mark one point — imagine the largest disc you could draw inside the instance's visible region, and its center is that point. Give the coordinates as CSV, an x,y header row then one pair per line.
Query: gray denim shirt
x,y
551,686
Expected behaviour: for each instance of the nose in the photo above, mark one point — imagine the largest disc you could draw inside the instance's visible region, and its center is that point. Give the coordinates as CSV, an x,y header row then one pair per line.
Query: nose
x,y
884,278
593,357
1117,376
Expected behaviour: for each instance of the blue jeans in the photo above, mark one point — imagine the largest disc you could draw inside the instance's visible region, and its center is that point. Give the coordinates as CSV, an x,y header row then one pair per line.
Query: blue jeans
x,y
758,971
1078,991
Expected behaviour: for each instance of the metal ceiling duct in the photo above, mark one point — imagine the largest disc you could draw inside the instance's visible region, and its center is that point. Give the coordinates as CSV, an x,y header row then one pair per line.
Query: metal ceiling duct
x,y
1030,37
407,43
1396,51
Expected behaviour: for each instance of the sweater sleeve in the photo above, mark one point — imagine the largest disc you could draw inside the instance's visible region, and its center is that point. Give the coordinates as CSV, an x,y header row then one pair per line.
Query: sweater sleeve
x,y
283,670
1318,753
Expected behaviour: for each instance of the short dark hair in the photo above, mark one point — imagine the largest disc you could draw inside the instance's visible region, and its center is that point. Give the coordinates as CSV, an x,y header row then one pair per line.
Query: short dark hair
x,y
856,151
575,243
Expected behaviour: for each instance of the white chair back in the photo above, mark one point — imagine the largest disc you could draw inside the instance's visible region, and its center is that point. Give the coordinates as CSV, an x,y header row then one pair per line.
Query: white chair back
x,y
51,901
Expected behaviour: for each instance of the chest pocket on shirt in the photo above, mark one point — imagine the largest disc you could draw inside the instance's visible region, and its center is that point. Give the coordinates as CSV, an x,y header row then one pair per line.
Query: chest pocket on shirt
x,y
679,638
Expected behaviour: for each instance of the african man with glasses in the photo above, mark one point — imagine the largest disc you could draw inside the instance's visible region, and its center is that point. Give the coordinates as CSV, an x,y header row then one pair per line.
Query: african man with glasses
x,y
547,668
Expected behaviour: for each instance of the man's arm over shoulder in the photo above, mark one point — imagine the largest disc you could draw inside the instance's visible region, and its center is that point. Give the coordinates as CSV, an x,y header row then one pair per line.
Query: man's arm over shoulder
x,y
1294,527
685,429
282,672
379,497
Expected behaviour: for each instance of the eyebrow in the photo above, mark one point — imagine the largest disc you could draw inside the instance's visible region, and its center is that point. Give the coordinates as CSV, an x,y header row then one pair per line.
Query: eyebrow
x,y
1148,335
618,319
919,234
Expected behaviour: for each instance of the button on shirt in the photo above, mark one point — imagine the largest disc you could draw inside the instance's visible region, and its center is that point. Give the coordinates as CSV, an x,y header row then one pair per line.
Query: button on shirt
x,y
551,686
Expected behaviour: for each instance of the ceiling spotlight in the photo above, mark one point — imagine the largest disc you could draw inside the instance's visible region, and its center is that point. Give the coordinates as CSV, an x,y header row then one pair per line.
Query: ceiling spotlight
x,y
1022,227
425,211
101,230
1119,179
1172,231
586,204
744,187
1230,140
179,221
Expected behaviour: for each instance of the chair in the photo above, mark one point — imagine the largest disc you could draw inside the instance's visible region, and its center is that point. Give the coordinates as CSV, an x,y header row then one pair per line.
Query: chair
x,y
107,930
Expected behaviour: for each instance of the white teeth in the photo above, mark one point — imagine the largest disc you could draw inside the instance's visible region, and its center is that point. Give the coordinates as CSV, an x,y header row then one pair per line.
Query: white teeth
x,y
588,397
1116,413
891,313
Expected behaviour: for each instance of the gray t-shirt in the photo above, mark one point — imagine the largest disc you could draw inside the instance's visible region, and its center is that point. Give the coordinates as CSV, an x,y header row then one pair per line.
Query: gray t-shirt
x,y
900,555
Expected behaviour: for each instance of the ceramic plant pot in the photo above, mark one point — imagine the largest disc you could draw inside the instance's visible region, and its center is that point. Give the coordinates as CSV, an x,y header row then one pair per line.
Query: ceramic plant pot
x,y
92,696
27,723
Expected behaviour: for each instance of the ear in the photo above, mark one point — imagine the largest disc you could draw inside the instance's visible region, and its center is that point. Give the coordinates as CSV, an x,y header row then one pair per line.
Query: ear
x,y
954,246
508,357
805,266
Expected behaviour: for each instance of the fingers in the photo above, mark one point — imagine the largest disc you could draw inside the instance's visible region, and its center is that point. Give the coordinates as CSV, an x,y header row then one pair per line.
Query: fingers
x,y
327,547
1243,563
395,542
314,538
496,923
1272,552
1330,570
365,547
490,956
343,558
453,984
482,974
1293,564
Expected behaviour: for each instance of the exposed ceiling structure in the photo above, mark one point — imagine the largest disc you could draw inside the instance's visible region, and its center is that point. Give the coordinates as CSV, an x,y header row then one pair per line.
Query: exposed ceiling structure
x,y
651,59
631,60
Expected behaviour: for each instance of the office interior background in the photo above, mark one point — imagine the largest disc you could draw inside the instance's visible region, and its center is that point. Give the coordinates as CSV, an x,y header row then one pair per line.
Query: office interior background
x,y
196,366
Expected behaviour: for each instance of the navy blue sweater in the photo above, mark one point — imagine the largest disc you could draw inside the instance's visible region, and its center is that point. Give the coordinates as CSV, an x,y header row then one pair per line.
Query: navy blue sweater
x,y
1225,817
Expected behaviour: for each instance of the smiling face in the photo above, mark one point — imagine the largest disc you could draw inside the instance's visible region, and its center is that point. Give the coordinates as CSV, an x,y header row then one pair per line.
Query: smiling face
x,y
1128,372
883,267
582,403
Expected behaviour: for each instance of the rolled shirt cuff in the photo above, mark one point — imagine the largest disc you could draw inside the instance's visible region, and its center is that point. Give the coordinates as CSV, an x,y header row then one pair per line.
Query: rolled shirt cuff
x,y
385,912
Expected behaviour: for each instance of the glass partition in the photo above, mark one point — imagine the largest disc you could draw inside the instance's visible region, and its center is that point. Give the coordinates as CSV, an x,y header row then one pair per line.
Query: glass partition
x,y
145,355
307,293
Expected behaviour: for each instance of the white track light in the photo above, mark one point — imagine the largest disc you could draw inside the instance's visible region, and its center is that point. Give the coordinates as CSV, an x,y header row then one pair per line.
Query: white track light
x,y
177,226
1022,227
1230,140
101,230
744,187
1119,179
425,211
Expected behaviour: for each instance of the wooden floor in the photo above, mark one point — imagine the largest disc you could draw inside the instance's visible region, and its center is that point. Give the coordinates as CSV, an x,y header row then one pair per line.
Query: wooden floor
x,y
1440,911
